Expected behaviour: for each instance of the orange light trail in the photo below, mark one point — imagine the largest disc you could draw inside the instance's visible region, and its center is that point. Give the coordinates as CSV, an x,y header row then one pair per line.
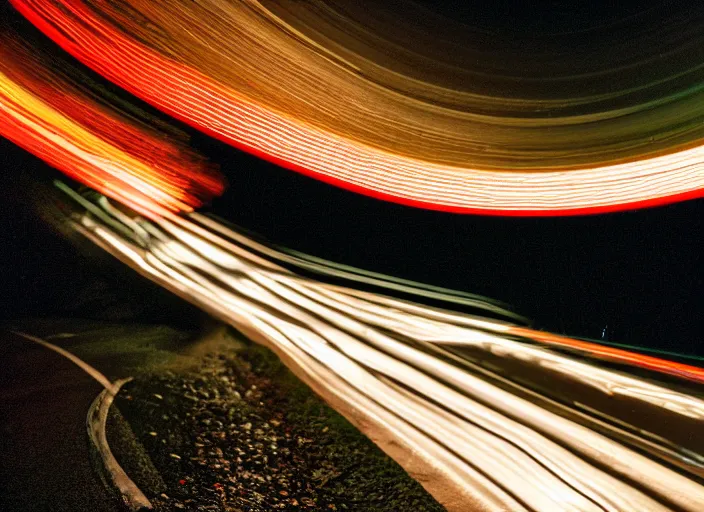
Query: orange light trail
x,y
48,113
179,82
690,372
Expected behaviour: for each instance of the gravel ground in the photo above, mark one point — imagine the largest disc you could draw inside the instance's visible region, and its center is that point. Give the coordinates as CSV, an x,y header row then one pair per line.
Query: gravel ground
x,y
238,432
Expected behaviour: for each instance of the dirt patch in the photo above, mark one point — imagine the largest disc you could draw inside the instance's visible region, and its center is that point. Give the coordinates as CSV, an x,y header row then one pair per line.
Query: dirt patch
x,y
238,432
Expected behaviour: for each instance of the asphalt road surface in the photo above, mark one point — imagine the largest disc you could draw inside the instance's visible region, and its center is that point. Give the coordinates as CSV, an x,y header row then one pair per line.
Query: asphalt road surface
x,y
45,461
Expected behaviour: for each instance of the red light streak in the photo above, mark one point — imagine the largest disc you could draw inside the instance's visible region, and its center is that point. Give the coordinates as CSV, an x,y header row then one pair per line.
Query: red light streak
x,y
231,116
48,114
690,372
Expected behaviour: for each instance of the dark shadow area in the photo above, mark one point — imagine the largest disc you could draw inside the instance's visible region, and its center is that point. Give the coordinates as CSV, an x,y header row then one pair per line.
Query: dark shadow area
x,y
47,272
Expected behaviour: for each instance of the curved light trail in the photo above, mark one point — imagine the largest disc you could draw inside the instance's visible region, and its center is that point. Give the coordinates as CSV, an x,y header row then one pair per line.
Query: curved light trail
x,y
53,110
460,390
280,86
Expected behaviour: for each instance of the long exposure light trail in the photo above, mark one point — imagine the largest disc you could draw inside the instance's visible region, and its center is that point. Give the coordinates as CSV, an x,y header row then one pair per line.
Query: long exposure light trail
x,y
485,412
371,138
351,274
48,108
383,363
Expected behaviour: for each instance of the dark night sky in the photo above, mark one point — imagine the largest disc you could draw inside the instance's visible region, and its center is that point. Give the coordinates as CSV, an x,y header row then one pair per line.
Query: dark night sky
x,y
640,272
